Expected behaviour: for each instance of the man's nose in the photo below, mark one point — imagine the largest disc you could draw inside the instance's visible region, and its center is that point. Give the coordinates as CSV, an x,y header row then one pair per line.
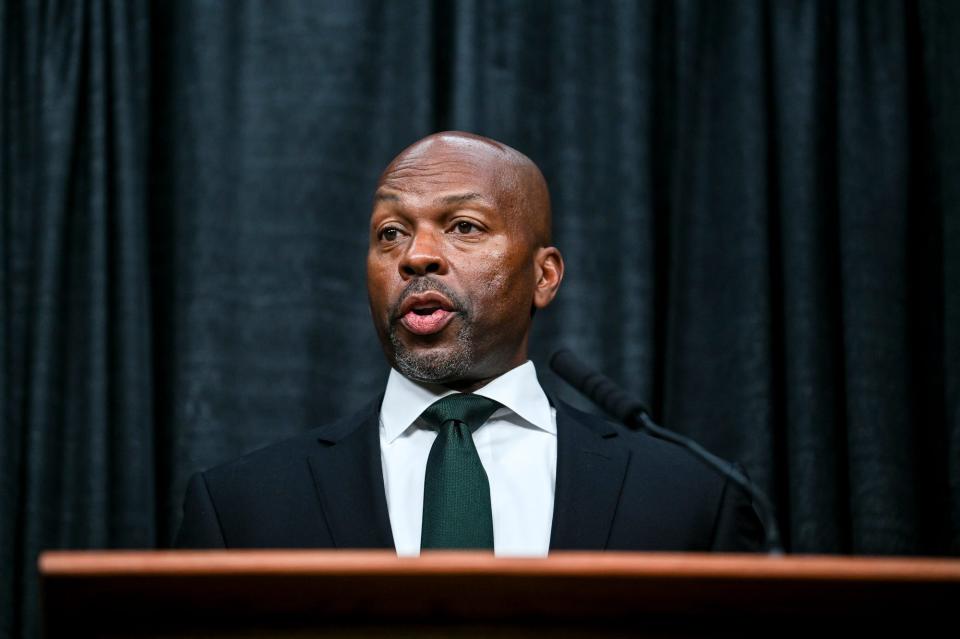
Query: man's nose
x,y
424,256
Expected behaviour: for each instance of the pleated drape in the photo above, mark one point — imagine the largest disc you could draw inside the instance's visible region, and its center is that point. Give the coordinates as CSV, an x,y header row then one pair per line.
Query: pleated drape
x,y
77,454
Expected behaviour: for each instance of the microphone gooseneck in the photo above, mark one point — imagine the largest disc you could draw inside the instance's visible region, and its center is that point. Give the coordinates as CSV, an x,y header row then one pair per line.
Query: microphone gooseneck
x,y
604,392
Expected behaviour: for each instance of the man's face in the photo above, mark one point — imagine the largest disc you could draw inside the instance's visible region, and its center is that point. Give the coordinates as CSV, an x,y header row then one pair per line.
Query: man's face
x,y
451,271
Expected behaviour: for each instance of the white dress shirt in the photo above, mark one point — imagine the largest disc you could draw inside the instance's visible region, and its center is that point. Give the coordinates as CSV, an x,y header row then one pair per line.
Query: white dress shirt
x,y
517,446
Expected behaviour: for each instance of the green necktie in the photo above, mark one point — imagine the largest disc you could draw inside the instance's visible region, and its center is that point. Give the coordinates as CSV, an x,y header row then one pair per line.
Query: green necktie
x,y
456,493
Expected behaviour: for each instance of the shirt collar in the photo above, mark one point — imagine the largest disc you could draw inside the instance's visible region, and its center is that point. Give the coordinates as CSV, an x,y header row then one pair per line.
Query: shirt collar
x,y
518,390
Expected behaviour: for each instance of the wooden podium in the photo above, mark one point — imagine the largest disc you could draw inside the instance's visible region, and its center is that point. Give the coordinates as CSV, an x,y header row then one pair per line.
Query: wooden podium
x,y
362,594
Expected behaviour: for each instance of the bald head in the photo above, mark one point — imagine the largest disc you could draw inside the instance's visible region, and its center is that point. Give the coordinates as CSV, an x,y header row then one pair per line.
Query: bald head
x,y
508,176
459,259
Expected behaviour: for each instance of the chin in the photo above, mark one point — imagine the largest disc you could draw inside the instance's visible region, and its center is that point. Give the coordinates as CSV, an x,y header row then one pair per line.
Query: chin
x,y
438,359
435,365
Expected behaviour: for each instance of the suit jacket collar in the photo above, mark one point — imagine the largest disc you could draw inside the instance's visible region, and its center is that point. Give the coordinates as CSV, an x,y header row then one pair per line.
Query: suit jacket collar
x,y
591,466
349,480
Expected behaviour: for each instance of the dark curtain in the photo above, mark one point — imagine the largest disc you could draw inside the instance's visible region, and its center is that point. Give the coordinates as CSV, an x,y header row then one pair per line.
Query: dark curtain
x,y
757,202
78,448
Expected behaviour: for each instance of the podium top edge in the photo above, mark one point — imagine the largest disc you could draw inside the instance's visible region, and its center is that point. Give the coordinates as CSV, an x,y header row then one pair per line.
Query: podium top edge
x,y
370,563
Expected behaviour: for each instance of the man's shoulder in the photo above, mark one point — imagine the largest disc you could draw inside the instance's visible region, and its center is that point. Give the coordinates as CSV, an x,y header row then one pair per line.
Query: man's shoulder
x,y
669,499
266,498
656,455
634,440
275,457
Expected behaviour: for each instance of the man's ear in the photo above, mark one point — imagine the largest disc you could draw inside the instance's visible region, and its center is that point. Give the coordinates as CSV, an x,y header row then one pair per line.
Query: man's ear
x,y
548,268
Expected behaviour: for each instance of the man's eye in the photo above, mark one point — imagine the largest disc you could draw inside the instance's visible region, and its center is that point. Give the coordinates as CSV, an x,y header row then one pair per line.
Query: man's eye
x,y
466,227
389,234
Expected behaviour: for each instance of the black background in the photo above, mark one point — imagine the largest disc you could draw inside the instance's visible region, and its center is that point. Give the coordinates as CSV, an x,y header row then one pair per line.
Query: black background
x,y
758,205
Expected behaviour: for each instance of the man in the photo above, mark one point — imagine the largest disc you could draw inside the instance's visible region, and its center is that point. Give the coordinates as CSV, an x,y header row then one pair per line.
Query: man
x,y
464,449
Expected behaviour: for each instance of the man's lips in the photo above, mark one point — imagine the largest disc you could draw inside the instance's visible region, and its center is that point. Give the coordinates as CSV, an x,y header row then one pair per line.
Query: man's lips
x,y
426,313
427,324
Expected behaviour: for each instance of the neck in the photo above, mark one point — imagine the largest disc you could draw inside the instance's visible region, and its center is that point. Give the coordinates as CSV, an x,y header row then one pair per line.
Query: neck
x,y
473,384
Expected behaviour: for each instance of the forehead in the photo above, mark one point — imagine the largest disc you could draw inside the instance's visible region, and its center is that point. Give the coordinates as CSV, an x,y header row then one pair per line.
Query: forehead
x,y
439,168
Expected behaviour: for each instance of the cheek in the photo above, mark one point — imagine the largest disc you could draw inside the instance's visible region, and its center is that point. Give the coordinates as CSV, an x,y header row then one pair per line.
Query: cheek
x,y
492,274
378,283
504,286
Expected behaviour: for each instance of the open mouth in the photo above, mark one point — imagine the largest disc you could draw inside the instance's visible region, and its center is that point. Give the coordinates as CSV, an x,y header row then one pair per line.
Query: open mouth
x,y
426,313
426,320
430,310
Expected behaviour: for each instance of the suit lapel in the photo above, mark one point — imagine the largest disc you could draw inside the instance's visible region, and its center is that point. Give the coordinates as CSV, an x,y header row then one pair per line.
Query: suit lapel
x,y
349,480
591,465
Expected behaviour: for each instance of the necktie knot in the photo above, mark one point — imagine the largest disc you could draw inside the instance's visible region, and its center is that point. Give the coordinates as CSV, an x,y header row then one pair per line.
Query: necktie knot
x,y
472,410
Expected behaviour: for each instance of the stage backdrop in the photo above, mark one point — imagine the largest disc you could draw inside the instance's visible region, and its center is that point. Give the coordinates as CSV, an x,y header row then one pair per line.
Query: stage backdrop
x,y
758,203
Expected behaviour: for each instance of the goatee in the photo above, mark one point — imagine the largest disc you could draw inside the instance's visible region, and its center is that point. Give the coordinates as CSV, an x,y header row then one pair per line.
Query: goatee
x,y
440,364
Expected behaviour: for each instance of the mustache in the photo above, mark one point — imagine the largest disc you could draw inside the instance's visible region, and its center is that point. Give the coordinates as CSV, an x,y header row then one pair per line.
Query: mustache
x,y
424,284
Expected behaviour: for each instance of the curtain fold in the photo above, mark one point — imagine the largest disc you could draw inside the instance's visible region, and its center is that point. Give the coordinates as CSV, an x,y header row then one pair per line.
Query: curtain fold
x,y
938,55
77,368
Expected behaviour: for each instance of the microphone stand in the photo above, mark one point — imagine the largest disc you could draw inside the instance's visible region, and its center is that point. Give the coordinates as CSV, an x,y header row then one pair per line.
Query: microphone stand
x,y
604,392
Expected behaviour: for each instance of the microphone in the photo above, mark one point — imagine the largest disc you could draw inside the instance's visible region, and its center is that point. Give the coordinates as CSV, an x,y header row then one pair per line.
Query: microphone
x,y
606,394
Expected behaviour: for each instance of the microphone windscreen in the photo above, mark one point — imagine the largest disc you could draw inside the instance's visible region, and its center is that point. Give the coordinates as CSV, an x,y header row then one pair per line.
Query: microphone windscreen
x,y
598,387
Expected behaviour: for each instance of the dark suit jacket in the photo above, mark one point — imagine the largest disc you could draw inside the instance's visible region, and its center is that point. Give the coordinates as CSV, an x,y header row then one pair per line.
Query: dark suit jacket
x,y
615,490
